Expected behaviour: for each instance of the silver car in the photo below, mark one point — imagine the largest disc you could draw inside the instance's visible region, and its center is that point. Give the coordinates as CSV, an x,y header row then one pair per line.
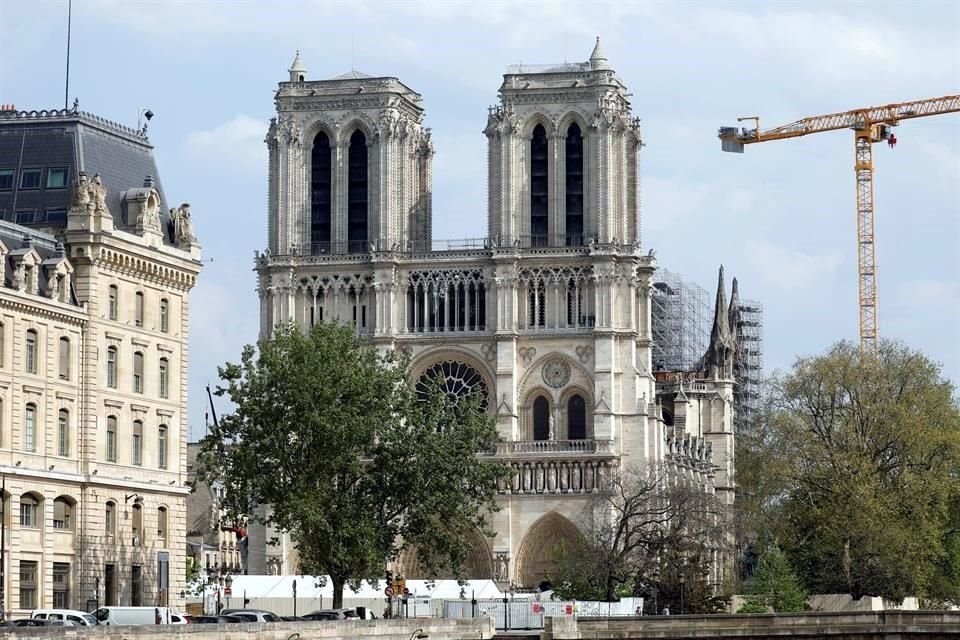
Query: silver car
x,y
252,615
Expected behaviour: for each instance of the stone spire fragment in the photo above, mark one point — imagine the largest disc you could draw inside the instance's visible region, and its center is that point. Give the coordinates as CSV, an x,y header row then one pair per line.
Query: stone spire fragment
x,y
598,59
298,70
719,356
733,314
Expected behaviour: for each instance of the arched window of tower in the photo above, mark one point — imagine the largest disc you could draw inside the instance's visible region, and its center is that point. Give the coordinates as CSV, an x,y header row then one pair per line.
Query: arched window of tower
x,y
541,418
320,195
357,200
539,180
574,186
576,418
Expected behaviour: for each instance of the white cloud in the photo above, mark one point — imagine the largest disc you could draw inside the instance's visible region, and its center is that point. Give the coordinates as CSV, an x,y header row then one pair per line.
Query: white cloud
x,y
791,268
669,204
236,142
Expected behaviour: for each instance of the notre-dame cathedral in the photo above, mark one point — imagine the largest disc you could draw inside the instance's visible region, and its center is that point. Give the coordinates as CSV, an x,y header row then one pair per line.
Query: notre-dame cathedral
x,y
549,316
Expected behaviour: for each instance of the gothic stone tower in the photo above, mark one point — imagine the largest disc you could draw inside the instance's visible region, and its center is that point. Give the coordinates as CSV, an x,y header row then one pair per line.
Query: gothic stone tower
x,y
549,317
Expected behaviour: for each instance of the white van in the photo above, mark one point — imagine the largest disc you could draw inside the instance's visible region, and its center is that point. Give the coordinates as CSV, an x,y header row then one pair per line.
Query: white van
x,y
133,615
79,618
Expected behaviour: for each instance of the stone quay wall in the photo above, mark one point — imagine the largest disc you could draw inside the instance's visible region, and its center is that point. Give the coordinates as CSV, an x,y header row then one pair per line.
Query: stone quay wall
x,y
868,625
437,629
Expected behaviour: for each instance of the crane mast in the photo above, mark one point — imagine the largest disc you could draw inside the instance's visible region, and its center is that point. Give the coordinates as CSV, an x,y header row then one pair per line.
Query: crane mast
x,y
869,125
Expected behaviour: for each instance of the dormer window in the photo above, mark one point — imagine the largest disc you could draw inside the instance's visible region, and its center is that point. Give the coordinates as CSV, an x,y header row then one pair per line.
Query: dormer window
x,y
56,177
30,178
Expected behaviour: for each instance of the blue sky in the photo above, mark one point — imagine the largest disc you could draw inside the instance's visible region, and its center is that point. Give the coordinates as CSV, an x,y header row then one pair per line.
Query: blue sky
x,y
780,217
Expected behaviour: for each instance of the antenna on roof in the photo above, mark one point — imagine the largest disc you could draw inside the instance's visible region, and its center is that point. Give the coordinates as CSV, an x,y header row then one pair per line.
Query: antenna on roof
x,y
66,89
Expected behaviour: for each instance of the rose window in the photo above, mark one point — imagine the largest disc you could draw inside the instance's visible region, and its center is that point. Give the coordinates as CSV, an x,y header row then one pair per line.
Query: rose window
x,y
457,381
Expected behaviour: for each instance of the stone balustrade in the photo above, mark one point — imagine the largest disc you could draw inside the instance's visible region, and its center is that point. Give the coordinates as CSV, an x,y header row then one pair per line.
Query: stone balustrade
x,y
552,476
546,447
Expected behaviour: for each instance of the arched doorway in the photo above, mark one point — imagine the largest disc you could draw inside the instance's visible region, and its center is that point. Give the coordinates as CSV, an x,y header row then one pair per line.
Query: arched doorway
x,y
477,566
537,558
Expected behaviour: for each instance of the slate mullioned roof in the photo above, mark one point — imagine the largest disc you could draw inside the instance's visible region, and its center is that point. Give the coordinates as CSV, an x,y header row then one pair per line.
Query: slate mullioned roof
x,y
77,141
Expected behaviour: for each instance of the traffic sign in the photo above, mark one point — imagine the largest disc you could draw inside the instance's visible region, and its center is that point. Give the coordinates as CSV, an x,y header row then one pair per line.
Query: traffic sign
x,y
388,591
227,591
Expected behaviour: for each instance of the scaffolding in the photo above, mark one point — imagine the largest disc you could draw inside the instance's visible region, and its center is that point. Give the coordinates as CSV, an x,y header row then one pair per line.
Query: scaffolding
x,y
748,364
680,322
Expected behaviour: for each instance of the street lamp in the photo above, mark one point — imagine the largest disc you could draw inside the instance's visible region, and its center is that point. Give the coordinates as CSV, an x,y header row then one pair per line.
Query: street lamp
x,y
419,634
682,581
656,589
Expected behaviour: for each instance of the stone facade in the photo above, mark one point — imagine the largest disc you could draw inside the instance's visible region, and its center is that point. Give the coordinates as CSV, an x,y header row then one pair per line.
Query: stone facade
x,y
93,390
549,316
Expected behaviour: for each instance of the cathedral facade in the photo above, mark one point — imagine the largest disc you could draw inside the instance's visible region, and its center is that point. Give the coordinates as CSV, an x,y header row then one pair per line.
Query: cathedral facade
x,y
549,316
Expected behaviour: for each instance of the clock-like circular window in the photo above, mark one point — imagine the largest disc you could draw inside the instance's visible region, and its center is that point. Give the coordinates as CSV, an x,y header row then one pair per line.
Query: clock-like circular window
x,y
457,381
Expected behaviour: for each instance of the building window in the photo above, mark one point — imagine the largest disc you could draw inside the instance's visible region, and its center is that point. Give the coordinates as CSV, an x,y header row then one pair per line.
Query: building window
x,y
26,216
3,343
111,438
320,194
63,433
30,357
30,427
136,586
110,585
138,309
162,447
6,179
576,418
539,179
28,584
162,524
541,419
138,372
574,186
64,358
61,585
164,386
62,514
57,214
30,178
137,526
164,315
56,177
357,194
137,442
113,295
29,512
110,522
112,367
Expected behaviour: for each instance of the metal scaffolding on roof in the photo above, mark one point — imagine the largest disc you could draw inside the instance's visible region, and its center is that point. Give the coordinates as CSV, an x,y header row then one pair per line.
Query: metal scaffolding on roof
x,y
680,322
748,364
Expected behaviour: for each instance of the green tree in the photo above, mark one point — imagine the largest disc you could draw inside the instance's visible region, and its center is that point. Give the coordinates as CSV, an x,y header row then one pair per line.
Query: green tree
x,y
353,461
775,585
858,473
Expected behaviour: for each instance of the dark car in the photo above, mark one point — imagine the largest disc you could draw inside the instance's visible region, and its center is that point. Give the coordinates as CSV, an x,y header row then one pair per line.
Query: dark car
x,y
213,619
292,618
37,622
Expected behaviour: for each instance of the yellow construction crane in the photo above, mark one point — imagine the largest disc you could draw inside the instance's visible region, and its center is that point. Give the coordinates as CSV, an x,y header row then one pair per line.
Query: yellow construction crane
x,y
869,125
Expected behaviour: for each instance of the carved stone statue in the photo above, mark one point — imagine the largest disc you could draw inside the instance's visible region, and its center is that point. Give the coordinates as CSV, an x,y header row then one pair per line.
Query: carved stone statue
x,y
502,567
53,285
148,215
80,194
182,225
551,434
98,195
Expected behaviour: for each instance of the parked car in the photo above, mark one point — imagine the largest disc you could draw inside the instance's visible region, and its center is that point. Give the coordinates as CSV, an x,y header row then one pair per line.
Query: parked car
x,y
213,619
39,622
340,614
79,618
253,615
133,615
178,618
292,618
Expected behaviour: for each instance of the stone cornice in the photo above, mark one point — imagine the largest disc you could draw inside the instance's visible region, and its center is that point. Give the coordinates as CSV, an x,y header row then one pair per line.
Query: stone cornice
x,y
42,306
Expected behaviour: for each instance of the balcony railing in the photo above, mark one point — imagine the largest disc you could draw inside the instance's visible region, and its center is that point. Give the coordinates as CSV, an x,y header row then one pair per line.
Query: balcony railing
x,y
540,447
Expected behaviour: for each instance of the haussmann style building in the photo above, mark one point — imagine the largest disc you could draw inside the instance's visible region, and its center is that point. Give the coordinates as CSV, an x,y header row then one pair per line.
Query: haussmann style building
x,y
96,267
549,316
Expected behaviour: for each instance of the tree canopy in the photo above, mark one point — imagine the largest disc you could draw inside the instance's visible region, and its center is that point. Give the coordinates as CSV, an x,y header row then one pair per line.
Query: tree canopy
x,y
855,473
351,459
644,532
